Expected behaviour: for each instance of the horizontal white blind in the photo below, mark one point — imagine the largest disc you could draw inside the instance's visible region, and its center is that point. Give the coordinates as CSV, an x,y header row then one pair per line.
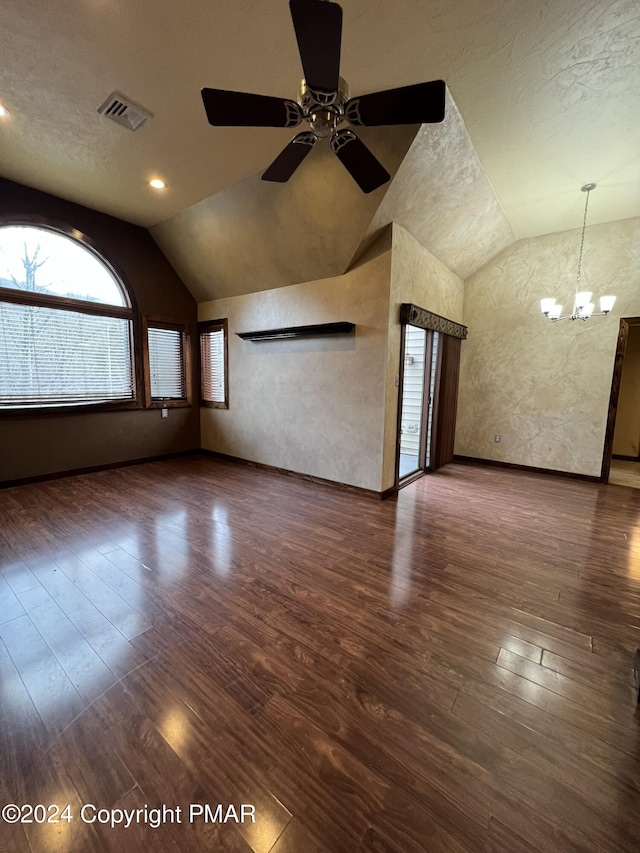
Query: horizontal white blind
x,y
212,364
166,364
51,355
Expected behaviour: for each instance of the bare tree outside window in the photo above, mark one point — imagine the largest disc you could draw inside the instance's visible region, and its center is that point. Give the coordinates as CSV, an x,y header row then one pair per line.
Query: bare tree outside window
x,y
31,265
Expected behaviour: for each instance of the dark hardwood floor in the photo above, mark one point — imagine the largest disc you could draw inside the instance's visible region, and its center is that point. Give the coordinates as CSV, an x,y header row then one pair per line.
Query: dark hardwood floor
x,y
448,672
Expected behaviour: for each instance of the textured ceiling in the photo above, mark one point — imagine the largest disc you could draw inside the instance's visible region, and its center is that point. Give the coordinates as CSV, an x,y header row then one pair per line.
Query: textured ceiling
x,y
254,236
441,195
549,93
547,97
258,236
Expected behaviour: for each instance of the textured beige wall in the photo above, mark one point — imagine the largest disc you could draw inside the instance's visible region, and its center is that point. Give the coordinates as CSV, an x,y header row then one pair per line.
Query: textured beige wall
x,y
313,405
626,439
416,276
544,387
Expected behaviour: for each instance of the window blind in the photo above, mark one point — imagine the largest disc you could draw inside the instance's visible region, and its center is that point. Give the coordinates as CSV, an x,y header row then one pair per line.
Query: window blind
x,y
212,365
166,364
53,356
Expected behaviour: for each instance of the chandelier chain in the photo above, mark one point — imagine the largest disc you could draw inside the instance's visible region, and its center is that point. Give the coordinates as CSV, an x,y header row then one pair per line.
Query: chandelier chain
x,y
584,226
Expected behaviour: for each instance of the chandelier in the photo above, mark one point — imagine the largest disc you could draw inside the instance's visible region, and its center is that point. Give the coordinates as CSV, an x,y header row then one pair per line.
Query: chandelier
x,y
582,304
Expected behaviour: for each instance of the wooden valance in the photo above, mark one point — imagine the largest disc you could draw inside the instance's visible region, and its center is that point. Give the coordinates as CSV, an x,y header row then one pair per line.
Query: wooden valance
x,y
416,316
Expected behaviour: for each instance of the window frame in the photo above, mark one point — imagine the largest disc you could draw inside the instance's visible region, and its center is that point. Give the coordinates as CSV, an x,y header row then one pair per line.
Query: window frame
x,y
155,322
221,325
127,312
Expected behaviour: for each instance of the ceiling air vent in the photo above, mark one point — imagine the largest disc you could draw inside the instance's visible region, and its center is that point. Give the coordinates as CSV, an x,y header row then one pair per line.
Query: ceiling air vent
x,y
123,112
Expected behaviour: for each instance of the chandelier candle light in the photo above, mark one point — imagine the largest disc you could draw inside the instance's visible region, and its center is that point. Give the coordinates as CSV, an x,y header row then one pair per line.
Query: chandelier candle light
x,y
582,304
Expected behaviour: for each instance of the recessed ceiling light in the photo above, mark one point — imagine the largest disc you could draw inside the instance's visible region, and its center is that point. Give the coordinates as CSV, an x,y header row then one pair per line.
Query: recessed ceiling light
x,y
3,111
157,184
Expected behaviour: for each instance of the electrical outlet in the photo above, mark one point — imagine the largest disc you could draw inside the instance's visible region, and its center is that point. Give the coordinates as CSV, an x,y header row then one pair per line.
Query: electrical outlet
x,y
164,413
497,438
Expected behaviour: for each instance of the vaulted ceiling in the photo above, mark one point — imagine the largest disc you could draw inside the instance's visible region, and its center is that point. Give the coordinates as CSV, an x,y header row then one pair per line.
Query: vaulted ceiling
x,y
545,96
257,236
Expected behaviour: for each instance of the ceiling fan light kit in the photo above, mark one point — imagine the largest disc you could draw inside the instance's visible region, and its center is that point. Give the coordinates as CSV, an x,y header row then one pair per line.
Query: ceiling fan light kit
x,y
583,307
323,101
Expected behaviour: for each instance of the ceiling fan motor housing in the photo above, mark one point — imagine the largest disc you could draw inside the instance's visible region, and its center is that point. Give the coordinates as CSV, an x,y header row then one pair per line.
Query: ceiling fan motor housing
x,y
323,110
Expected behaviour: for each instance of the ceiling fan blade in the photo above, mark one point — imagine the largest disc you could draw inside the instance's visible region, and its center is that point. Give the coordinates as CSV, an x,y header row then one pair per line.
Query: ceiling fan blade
x,y
290,158
318,26
364,168
241,109
419,104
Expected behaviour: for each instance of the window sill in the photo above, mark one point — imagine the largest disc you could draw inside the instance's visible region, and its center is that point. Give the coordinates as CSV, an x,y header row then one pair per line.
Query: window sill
x,y
206,404
70,409
169,404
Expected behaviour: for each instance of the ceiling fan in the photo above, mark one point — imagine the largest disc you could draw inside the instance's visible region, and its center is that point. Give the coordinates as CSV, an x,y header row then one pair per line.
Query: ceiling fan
x,y
323,101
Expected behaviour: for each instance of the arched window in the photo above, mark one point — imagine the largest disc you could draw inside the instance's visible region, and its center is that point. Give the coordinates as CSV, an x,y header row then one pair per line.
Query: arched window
x,y
65,322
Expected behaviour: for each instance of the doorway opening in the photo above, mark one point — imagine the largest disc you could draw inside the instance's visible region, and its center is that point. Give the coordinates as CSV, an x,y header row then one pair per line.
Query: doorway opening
x,y
621,454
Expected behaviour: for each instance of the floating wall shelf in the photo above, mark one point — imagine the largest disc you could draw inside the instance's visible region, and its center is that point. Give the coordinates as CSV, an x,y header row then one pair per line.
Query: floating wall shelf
x,y
298,332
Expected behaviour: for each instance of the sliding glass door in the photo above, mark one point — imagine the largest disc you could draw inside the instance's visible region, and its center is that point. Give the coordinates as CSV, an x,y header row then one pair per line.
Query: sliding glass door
x,y
418,397
413,390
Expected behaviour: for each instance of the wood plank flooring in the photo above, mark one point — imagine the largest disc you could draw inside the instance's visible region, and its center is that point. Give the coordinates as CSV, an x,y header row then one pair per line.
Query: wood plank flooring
x,y
450,671
624,473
